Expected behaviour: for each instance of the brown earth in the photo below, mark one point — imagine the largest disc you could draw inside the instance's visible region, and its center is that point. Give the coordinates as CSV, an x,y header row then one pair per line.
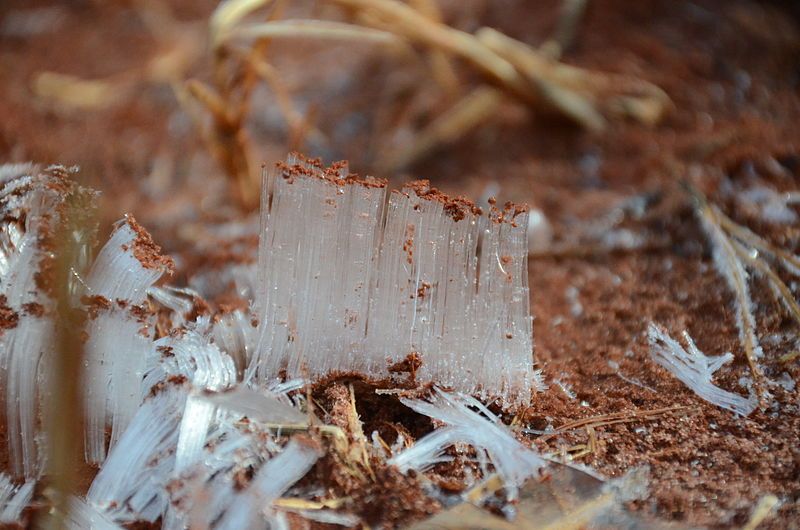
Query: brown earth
x,y
732,72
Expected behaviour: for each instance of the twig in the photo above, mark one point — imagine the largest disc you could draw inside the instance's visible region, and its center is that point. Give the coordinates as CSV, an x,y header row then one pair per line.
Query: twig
x,y
613,419
64,412
316,29
540,73
440,63
474,109
571,13
782,291
764,509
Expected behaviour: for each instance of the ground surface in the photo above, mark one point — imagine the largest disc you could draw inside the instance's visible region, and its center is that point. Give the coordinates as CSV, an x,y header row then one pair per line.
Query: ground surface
x,y
732,72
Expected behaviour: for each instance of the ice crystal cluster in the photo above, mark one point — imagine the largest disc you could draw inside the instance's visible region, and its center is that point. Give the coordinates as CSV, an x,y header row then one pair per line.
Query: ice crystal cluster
x,y
467,420
696,369
32,205
351,282
198,419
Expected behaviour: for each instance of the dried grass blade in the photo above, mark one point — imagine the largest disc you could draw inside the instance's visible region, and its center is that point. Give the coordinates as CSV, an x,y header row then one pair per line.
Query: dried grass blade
x,y
415,26
782,291
541,73
731,269
317,29
474,109
228,14
789,261
440,63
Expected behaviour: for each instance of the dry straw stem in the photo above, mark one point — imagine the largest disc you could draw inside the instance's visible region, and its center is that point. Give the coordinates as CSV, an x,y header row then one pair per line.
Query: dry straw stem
x,y
228,141
756,241
63,408
789,357
359,452
440,62
581,450
521,70
738,283
739,245
178,50
73,92
562,501
299,125
571,13
296,503
229,101
415,26
541,73
474,109
316,29
227,15
613,419
531,76
781,290
576,91
764,509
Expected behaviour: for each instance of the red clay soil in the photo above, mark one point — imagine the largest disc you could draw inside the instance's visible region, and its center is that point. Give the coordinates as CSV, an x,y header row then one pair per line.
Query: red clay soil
x,y
731,69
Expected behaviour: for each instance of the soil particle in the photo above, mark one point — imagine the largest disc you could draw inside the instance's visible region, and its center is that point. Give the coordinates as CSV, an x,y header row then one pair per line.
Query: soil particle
x,y
146,251
410,365
33,309
95,304
393,496
457,208
8,317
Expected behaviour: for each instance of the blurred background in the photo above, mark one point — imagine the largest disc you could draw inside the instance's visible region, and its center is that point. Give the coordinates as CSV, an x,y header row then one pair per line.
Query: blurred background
x,y
103,85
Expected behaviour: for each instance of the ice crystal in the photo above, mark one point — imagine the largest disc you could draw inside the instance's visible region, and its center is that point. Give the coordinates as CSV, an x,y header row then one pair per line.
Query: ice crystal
x,y
269,483
467,420
348,284
206,489
192,425
33,206
131,484
695,369
119,337
192,357
773,207
83,516
235,333
13,499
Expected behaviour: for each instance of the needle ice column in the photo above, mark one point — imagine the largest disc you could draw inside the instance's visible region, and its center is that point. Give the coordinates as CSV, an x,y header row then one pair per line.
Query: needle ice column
x,y
346,284
119,331
33,205
318,245
452,286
